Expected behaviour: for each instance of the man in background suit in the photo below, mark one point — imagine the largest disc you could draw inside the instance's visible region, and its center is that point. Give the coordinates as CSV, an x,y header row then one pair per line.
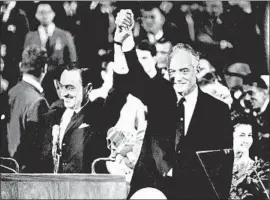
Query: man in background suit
x,y
76,126
181,121
58,43
27,105
14,27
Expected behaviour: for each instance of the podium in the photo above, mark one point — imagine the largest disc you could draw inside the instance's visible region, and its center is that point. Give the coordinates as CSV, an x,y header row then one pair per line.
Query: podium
x,y
63,186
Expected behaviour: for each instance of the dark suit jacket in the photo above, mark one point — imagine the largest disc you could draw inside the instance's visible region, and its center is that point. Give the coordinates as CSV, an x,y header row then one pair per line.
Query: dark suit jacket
x,y
27,106
13,33
81,146
209,129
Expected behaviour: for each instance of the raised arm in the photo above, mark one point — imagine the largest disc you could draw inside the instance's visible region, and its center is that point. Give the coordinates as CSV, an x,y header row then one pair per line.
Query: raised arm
x,y
126,59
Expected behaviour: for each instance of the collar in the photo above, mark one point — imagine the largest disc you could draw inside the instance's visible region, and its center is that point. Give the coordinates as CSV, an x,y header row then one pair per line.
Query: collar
x,y
31,80
155,37
191,97
264,106
50,29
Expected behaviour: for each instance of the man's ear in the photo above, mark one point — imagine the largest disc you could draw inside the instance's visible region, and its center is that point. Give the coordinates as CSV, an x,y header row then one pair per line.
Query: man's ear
x,y
88,88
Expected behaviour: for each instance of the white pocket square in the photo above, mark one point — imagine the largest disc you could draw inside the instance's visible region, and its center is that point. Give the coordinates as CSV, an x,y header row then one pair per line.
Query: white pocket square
x,y
83,125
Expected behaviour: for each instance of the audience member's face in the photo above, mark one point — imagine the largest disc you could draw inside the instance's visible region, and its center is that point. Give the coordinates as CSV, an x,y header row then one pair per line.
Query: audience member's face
x,y
214,8
205,68
242,137
233,82
71,89
45,14
152,20
162,52
182,72
254,97
146,59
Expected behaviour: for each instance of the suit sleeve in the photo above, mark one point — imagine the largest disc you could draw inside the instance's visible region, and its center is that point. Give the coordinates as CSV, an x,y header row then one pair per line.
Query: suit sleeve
x,y
27,40
227,143
71,48
109,108
139,80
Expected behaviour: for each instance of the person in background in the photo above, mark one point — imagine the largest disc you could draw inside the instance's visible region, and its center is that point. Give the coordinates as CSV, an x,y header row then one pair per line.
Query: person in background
x,y
256,100
14,27
211,83
4,110
155,26
163,47
244,167
58,43
27,105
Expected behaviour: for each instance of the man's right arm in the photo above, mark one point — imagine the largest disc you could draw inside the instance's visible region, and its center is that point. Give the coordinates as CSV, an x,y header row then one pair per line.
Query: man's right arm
x,y
126,60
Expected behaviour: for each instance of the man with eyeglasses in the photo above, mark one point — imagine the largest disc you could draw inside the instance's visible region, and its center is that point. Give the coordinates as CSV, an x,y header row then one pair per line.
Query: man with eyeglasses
x,y
181,121
77,124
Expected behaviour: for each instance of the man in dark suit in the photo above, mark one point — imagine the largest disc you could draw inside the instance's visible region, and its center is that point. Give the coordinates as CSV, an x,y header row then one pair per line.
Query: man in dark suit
x,y
77,124
155,25
27,105
181,121
14,27
256,99
58,43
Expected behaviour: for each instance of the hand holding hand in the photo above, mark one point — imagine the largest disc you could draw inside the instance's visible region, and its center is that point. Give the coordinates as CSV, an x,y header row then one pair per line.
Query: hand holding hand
x,y
124,25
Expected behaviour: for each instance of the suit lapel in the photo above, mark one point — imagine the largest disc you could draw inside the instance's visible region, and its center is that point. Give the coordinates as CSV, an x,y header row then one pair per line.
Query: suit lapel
x,y
195,122
75,122
38,40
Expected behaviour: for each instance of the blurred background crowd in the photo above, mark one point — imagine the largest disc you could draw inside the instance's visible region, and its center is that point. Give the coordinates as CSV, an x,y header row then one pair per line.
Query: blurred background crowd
x,y
229,35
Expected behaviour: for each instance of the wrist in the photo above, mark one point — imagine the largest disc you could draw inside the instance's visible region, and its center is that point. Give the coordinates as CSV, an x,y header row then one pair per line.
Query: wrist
x,y
117,42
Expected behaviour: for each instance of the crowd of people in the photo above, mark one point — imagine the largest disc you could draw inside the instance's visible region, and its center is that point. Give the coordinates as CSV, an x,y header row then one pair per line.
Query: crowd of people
x,y
144,88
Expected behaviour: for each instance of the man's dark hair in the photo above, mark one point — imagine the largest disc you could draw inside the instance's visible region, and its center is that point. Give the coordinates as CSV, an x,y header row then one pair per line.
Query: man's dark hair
x,y
33,60
242,120
84,72
146,46
251,79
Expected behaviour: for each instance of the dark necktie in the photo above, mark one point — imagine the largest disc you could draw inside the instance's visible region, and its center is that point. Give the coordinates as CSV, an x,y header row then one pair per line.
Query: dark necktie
x,y
180,125
47,46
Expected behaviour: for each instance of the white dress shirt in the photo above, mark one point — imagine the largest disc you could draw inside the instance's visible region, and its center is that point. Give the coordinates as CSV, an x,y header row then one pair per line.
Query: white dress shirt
x,y
189,103
29,79
45,33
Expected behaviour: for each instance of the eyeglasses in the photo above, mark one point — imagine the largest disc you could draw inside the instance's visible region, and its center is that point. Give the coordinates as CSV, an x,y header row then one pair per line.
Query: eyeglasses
x,y
69,88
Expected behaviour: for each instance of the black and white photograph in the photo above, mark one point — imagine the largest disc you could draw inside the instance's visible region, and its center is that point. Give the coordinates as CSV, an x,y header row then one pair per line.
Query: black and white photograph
x,y
134,100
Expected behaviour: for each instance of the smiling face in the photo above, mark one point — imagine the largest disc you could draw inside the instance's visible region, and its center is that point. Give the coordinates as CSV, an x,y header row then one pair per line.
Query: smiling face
x,y
242,137
71,89
182,72
254,97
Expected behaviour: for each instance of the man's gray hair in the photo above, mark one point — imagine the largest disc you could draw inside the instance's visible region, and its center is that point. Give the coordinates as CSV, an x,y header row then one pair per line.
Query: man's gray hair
x,y
187,48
